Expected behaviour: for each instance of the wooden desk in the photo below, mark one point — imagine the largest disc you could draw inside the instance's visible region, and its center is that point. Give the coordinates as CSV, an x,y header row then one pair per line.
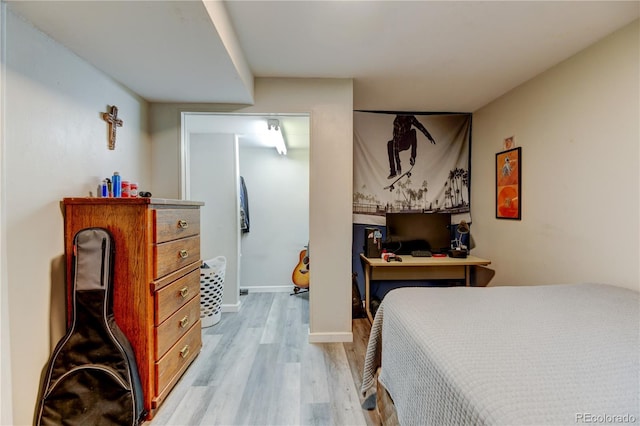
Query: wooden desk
x,y
417,268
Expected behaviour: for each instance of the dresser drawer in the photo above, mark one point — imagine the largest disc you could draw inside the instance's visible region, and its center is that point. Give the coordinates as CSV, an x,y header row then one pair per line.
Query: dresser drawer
x,y
171,224
176,326
175,295
173,255
178,357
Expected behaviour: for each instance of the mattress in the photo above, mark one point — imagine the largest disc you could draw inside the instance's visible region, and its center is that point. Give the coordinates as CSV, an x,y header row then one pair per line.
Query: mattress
x,y
539,355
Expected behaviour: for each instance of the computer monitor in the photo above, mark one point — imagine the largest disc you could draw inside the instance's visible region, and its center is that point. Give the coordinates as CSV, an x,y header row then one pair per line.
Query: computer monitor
x,y
410,228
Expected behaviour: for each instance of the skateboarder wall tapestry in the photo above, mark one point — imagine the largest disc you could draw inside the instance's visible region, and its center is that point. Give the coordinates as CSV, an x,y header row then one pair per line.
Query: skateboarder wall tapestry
x,y
410,162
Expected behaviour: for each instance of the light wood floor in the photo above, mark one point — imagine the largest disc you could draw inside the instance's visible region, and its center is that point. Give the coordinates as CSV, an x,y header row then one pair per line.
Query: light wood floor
x,y
257,368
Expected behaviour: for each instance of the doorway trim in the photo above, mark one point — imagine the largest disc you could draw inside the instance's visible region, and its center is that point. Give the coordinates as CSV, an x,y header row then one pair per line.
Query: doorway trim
x,y
190,126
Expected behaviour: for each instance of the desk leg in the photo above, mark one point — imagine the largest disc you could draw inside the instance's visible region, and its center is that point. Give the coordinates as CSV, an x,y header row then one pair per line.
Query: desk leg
x,y
367,295
467,275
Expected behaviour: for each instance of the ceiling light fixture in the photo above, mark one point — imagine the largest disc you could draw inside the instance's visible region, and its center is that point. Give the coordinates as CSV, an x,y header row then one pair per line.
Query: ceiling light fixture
x,y
275,136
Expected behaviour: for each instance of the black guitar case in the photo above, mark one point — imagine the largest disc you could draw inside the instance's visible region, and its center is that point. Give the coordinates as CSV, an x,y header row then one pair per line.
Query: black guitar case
x,y
92,377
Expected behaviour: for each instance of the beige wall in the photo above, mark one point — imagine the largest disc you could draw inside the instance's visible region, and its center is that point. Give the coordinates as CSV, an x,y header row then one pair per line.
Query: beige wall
x,y
6,401
330,103
55,146
577,125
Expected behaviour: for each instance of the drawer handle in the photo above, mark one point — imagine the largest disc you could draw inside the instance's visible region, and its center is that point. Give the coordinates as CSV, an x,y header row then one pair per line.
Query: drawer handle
x,y
184,321
183,224
184,254
184,291
184,351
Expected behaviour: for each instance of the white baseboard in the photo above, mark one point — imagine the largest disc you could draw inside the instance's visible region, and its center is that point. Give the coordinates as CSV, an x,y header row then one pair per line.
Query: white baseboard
x,y
230,307
330,337
268,288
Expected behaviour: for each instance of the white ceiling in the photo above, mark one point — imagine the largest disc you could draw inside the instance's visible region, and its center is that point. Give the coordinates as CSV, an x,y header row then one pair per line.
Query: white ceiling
x,y
421,55
165,51
402,55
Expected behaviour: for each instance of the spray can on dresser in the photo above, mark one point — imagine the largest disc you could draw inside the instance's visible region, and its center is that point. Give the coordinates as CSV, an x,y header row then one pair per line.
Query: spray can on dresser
x,y
125,189
104,189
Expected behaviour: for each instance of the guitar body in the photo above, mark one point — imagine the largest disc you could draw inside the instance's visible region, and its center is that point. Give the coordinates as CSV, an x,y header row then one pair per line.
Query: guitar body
x,y
300,275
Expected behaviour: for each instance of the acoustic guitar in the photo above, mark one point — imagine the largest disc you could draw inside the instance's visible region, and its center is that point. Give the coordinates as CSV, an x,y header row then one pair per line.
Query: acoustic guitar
x,y
300,275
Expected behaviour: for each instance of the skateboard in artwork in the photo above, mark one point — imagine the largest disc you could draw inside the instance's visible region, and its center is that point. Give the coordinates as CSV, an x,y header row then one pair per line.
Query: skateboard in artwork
x,y
391,187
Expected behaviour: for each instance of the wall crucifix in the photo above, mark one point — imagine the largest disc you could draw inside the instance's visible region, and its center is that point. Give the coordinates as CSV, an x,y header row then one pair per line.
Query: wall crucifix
x,y
111,117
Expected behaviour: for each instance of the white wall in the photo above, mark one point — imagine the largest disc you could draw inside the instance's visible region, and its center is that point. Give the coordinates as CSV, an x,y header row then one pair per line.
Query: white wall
x,y
213,179
278,189
55,146
578,126
330,105
165,131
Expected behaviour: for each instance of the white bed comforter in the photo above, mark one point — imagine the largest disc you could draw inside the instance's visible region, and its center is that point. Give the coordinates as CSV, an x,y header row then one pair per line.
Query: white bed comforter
x,y
541,355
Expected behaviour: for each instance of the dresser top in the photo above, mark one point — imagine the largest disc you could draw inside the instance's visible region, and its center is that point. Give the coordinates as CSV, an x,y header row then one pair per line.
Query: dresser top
x,y
130,201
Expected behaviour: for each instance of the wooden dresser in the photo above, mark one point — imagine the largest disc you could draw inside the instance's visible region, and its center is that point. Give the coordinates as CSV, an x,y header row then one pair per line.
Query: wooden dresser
x,y
156,277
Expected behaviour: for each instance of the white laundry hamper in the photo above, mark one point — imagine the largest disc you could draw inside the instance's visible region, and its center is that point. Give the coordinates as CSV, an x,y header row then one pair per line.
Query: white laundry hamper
x,y
211,290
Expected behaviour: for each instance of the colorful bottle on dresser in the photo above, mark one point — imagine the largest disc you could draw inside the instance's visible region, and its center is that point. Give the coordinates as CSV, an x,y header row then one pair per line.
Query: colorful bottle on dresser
x,y
117,185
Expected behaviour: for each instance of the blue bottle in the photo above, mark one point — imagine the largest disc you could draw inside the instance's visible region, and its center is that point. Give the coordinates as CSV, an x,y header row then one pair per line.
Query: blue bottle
x,y
104,189
117,185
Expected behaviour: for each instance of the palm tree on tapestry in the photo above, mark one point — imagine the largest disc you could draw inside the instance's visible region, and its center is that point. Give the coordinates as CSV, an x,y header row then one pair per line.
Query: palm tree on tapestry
x,y
465,183
458,179
407,193
447,195
419,195
424,190
414,197
452,187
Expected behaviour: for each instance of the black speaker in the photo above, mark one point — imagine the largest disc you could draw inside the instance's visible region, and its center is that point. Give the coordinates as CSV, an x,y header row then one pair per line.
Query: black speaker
x,y
372,242
458,254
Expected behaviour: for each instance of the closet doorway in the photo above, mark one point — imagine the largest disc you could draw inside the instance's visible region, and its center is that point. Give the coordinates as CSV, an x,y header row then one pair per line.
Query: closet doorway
x,y
218,152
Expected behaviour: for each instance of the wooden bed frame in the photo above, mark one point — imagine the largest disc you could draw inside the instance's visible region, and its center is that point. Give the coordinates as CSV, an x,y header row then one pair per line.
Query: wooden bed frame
x,y
385,407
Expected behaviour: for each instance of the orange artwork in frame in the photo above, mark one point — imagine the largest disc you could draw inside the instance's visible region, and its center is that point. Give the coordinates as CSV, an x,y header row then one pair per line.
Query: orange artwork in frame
x,y
508,185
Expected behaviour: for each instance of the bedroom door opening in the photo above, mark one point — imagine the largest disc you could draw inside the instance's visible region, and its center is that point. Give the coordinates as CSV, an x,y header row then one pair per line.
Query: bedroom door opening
x,y
218,151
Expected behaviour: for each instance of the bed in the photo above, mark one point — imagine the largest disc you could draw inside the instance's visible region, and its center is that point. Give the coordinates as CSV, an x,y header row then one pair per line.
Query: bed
x,y
538,355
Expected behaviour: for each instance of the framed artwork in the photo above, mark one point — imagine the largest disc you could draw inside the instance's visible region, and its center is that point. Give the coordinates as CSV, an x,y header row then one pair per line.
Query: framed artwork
x,y
508,184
